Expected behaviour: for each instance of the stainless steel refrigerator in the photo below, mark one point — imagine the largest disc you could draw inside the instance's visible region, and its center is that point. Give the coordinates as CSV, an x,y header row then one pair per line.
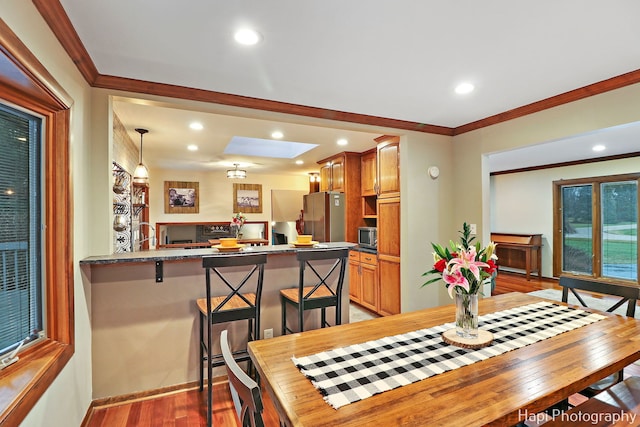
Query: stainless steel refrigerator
x,y
324,216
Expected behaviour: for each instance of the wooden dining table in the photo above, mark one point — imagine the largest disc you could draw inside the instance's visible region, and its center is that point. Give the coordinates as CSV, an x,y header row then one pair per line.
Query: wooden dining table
x,y
499,391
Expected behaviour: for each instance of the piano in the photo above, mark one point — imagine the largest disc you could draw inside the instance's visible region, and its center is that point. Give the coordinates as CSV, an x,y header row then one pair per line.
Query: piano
x,y
519,251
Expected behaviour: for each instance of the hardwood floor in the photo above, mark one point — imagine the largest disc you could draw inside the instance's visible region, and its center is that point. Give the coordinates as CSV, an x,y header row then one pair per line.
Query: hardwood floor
x,y
188,407
176,409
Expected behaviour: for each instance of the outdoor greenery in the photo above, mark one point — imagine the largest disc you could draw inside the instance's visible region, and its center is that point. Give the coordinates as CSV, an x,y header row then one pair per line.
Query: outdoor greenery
x,y
618,214
616,252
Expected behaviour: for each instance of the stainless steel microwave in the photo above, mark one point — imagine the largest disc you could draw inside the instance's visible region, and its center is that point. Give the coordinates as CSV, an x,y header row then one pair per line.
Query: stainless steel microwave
x,y
368,237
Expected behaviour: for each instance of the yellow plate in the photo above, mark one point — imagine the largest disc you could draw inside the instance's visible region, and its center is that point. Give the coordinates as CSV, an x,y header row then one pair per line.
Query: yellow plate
x,y
229,248
304,245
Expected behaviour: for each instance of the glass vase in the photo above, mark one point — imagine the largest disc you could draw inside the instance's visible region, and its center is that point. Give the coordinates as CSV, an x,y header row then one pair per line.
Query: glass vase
x,y
466,315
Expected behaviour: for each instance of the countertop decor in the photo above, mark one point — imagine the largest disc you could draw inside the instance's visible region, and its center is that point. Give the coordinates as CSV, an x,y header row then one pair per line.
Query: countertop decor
x,y
464,268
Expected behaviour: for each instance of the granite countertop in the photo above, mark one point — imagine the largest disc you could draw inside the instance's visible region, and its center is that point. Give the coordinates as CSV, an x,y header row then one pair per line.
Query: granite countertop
x,y
184,254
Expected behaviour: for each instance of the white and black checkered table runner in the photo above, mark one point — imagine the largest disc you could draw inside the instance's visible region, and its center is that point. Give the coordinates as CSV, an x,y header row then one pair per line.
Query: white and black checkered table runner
x,y
349,374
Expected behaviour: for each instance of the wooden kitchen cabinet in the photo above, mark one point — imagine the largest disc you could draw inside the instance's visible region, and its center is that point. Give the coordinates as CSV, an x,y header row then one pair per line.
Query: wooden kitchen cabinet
x,y
363,280
389,227
332,174
368,172
388,166
342,172
355,278
325,178
370,290
389,255
389,276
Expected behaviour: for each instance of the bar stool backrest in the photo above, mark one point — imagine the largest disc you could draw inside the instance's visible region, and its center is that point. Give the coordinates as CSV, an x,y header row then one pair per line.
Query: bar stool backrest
x,y
216,263
329,280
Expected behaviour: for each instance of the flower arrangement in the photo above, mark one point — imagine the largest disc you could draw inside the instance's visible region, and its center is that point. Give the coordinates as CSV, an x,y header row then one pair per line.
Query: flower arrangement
x,y
462,265
237,221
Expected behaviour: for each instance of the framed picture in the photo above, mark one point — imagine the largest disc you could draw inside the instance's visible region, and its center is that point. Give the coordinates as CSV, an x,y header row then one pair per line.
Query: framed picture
x,y
181,197
247,198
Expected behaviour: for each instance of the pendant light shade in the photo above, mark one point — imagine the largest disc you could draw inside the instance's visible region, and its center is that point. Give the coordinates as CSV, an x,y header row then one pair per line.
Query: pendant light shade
x,y
141,174
236,173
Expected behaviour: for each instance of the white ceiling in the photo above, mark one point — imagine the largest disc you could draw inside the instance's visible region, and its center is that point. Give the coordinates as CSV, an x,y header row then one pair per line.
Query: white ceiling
x,y
394,59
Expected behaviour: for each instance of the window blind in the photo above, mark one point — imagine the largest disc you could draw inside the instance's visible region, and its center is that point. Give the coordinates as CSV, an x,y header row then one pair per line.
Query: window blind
x,y
21,311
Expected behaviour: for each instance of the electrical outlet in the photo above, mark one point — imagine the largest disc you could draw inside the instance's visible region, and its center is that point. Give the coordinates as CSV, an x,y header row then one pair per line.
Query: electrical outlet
x,y
473,229
268,333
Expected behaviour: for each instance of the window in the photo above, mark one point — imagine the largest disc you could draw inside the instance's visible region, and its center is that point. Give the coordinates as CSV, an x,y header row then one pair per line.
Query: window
x,y
596,227
27,85
20,223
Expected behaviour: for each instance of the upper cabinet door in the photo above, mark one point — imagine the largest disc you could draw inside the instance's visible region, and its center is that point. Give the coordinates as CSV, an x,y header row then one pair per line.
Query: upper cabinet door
x,y
325,178
388,166
368,170
337,175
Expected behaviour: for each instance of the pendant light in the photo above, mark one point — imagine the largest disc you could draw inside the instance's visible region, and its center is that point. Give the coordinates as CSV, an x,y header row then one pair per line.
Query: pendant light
x,y
141,174
236,173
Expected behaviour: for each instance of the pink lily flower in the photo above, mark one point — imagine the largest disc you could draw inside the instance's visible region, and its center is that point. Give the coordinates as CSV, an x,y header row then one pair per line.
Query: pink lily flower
x,y
453,279
467,259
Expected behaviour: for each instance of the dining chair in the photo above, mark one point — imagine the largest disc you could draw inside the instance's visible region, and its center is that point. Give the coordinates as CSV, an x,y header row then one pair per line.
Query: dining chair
x,y
245,392
238,303
626,294
319,286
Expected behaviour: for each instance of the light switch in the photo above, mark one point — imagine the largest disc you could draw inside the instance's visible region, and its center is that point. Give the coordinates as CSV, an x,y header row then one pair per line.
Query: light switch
x,y
473,229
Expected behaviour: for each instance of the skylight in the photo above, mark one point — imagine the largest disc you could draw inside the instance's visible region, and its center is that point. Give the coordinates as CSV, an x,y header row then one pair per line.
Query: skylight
x,y
267,147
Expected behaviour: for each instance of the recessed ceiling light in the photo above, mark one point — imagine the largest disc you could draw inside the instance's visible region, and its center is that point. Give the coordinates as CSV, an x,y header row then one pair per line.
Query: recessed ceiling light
x,y
342,141
247,36
299,162
277,134
192,147
598,147
464,88
196,126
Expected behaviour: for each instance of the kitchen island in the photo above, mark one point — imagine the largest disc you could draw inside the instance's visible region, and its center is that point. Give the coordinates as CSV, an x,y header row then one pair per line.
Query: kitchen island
x,y
144,321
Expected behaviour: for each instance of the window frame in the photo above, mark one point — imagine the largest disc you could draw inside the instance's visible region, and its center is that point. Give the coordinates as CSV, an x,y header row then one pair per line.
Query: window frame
x,y
25,82
596,221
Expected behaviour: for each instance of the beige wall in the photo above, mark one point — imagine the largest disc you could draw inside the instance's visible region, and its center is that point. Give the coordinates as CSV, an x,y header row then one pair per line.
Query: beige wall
x,y
425,210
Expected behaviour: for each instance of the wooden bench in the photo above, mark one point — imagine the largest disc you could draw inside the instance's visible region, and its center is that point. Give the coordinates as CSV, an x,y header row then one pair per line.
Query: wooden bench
x,y
617,406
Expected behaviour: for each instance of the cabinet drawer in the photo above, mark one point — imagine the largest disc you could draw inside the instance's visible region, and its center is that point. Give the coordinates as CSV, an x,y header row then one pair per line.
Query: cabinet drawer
x,y
354,256
368,258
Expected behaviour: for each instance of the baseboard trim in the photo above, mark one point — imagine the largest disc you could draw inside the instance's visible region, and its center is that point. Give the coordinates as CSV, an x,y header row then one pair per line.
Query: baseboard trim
x,y
143,395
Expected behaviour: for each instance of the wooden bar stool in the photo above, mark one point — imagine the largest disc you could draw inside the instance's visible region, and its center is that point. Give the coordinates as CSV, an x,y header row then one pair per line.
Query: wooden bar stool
x,y
237,304
326,290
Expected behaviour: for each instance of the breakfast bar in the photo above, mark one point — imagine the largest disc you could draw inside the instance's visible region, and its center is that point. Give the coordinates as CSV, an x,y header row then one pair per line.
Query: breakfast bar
x,y
144,320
